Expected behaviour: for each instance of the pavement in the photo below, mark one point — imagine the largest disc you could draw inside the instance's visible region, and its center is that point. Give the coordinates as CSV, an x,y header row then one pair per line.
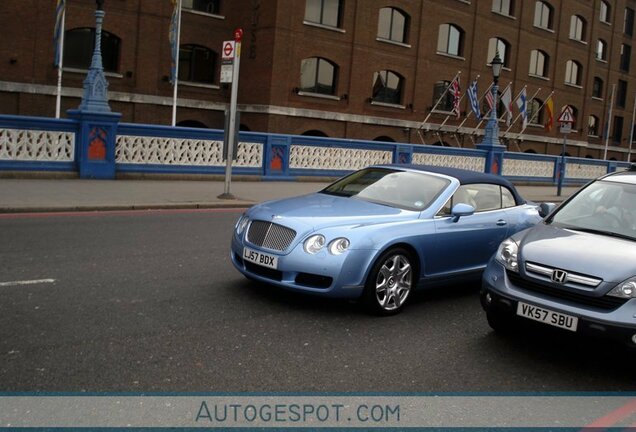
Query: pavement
x,y
23,195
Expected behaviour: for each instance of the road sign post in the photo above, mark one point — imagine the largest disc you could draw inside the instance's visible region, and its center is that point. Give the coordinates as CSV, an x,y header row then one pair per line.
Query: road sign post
x,y
566,119
231,51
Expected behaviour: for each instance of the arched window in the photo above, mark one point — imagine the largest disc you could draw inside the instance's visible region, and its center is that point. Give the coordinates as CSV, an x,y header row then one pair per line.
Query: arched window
x,y
384,138
538,63
577,28
535,112
314,132
393,25
197,64
503,7
601,50
592,126
387,87
543,15
450,40
605,12
318,75
192,124
439,89
575,114
79,45
324,12
498,45
597,88
207,6
530,151
573,72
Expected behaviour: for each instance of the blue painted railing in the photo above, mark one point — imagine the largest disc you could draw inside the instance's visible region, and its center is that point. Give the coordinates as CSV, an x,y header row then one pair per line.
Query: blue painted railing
x,y
25,145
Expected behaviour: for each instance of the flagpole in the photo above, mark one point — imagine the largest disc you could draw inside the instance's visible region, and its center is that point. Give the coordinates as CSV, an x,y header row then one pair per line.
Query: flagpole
x,y
60,65
631,131
609,122
176,66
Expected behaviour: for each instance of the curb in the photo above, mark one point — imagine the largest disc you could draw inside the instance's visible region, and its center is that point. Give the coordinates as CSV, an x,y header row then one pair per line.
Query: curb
x,y
233,204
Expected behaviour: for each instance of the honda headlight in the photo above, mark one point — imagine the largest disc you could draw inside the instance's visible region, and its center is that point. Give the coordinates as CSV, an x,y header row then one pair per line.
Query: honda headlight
x,y
314,244
339,246
625,289
507,255
241,224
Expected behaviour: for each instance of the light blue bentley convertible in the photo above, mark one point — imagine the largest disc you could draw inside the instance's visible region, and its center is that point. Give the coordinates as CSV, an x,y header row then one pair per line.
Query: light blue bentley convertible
x,y
380,232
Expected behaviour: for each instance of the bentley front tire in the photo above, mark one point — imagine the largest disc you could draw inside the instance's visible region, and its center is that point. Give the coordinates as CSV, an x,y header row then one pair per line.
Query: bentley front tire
x,y
390,282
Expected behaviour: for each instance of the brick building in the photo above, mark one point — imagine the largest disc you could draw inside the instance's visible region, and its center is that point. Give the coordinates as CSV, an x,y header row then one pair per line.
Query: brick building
x,y
358,69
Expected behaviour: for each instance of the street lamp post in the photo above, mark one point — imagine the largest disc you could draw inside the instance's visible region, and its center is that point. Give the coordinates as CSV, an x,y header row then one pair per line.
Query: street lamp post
x,y
490,143
492,127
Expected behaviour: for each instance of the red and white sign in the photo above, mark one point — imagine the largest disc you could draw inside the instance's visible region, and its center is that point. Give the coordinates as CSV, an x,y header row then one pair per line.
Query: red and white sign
x,y
567,115
228,50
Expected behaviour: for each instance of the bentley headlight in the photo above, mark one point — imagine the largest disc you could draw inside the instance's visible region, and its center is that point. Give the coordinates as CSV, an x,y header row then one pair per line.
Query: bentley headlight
x,y
625,289
241,224
507,255
339,246
314,244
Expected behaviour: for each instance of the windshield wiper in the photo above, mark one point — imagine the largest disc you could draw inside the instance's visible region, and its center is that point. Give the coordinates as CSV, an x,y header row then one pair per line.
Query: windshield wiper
x,y
602,232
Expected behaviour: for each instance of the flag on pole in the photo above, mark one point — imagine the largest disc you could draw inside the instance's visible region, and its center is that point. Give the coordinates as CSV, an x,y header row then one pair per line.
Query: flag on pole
x,y
506,100
57,33
456,96
474,99
549,114
490,100
174,38
522,105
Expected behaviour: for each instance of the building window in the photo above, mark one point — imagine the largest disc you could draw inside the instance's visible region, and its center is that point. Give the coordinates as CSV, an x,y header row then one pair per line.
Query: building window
x,y
535,112
485,107
601,50
628,25
79,45
318,75
393,25
605,12
497,45
617,130
324,12
446,104
592,126
573,73
575,114
621,94
597,88
387,87
207,6
197,64
538,63
503,7
626,57
577,28
543,15
450,40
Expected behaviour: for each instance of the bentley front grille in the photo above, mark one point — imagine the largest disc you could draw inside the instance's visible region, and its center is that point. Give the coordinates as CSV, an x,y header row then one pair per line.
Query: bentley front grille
x,y
270,235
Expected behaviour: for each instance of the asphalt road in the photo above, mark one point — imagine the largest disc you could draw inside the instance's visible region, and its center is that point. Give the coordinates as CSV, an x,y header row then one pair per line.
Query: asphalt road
x,y
148,301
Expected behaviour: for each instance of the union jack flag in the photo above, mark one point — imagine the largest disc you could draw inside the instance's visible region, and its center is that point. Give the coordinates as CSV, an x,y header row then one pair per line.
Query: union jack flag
x,y
456,96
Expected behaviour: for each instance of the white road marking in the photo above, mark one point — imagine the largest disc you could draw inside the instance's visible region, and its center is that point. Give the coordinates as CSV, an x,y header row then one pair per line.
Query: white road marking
x,y
26,282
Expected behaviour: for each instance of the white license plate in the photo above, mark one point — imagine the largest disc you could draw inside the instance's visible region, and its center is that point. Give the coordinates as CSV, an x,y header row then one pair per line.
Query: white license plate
x,y
546,316
260,258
